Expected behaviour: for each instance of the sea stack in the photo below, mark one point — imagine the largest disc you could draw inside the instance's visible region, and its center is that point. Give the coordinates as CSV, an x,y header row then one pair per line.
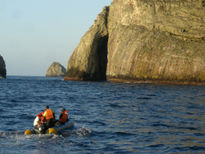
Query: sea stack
x,y
56,70
144,41
2,68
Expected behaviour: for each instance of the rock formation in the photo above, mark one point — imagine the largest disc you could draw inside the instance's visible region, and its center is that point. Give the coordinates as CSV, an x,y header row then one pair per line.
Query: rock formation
x,y
89,60
149,40
2,68
56,70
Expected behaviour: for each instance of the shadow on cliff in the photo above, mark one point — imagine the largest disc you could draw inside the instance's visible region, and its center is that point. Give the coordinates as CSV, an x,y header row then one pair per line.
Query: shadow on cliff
x,y
97,63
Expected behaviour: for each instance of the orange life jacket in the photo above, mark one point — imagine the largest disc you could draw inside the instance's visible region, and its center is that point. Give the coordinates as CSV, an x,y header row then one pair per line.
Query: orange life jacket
x,y
43,119
40,116
64,117
49,114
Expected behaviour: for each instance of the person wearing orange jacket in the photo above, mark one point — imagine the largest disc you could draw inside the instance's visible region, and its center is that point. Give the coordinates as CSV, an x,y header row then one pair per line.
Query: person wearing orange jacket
x,y
37,120
49,116
63,116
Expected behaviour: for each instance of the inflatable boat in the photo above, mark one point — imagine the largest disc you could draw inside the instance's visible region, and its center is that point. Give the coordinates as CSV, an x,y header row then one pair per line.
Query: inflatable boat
x,y
57,129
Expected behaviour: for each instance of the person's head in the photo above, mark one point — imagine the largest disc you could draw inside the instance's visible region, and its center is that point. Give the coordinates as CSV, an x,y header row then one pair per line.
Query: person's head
x,y
39,115
47,107
63,109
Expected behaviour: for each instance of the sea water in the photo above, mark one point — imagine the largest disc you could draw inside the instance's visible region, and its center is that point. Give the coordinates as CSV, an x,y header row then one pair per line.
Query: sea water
x,y
108,117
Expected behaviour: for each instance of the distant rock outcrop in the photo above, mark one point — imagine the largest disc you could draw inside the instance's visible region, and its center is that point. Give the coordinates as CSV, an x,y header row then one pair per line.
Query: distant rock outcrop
x,y
145,41
2,67
56,70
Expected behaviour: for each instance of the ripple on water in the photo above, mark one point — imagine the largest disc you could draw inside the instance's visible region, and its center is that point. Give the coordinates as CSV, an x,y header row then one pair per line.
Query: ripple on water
x,y
144,98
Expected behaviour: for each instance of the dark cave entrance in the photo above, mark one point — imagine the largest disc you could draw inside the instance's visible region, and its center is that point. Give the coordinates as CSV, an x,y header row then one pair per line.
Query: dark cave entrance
x,y
97,60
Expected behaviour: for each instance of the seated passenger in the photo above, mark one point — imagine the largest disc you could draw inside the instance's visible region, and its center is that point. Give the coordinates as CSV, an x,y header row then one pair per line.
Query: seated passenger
x,y
38,120
49,116
63,116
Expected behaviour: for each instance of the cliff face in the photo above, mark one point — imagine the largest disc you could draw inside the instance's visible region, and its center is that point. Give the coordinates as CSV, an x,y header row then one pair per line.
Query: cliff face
x,y
89,60
157,40
56,70
2,67
151,40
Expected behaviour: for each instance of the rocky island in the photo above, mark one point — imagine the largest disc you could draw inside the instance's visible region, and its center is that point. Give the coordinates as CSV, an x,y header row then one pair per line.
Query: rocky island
x,y
56,70
143,41
2,68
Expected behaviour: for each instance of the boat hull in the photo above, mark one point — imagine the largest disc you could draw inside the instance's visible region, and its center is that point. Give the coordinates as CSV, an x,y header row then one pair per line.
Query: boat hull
x,y
53,130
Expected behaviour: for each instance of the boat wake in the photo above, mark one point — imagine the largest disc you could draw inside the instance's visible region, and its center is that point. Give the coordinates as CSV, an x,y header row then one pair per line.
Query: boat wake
x,y
10,134
17,135
83,131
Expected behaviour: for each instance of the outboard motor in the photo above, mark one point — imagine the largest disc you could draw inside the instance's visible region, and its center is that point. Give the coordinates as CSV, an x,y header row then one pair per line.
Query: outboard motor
x,y
42,129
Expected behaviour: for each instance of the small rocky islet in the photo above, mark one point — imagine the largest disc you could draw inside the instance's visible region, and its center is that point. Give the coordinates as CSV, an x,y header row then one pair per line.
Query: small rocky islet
x,y
56,70
143,41
2,68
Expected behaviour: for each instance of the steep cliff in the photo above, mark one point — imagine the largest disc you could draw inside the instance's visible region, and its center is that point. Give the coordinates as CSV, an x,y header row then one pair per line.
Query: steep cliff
x,y
56,70
157,40
2,67
89,60
153,40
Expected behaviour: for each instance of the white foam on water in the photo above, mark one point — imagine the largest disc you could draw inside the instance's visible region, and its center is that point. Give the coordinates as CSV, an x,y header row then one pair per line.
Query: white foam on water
x,y
13,134
83,131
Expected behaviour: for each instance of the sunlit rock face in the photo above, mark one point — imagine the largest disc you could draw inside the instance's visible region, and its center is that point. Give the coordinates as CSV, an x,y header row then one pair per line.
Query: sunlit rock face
x,y
147,40
89,60
56,70
2,68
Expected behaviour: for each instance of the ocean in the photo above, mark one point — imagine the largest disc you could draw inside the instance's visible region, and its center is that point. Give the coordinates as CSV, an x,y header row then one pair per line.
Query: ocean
x,y
108,117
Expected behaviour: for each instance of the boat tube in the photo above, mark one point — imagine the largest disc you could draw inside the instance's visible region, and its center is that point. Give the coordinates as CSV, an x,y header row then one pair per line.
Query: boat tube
x,y
57,129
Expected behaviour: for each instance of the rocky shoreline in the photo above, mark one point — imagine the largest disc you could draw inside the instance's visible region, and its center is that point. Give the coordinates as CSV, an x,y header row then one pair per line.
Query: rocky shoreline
x,y
157,82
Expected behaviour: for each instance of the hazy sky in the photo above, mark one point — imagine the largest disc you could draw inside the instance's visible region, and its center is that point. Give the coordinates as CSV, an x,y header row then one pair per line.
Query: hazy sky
x,y
35,33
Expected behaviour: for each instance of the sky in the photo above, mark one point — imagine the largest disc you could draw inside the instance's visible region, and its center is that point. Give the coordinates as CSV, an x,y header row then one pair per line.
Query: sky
x,y
35,33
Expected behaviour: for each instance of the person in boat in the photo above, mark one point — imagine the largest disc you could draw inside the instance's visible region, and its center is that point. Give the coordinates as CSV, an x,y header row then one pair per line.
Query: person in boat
x,y
63,118
49,116
39,120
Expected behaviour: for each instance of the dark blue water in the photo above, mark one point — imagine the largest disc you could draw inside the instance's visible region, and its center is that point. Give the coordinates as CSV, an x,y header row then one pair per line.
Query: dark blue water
x,y
108,117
